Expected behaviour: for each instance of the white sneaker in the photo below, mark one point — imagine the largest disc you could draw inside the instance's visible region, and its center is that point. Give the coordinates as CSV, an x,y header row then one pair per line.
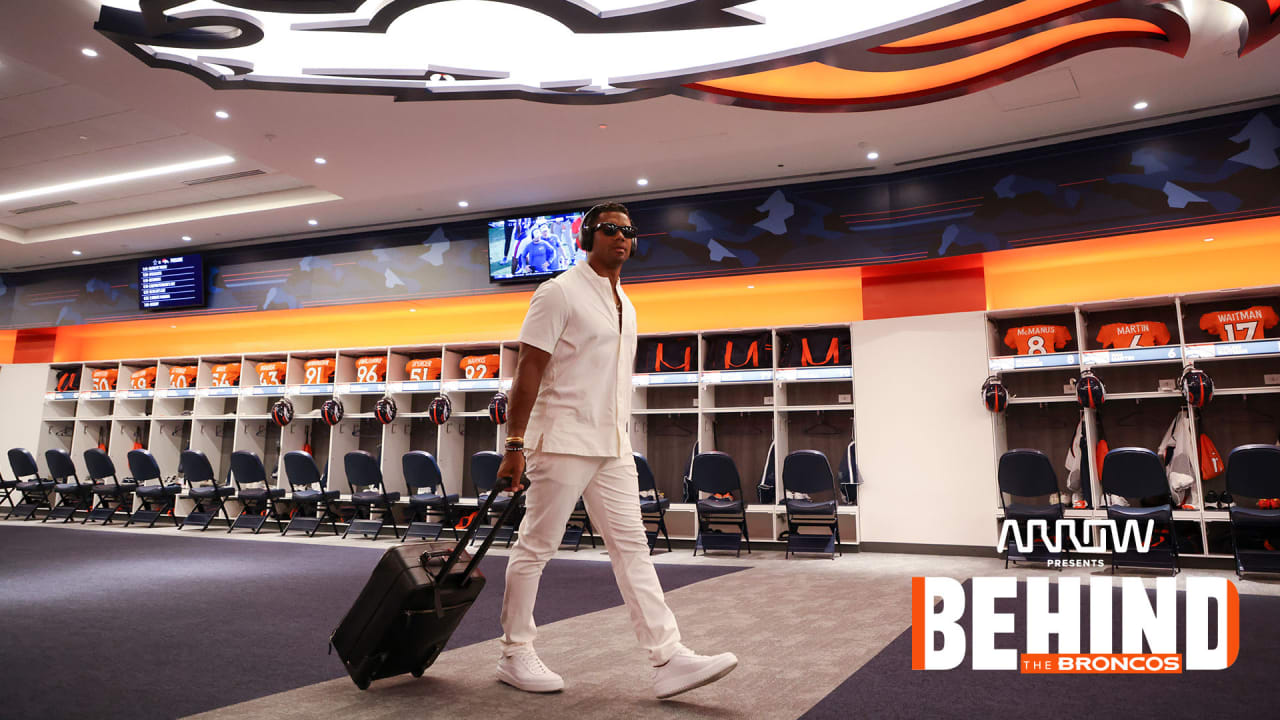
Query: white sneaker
x,y
524,670
686,671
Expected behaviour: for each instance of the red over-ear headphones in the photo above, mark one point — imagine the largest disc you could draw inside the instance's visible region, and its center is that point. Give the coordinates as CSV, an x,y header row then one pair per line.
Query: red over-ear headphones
x,y
586,233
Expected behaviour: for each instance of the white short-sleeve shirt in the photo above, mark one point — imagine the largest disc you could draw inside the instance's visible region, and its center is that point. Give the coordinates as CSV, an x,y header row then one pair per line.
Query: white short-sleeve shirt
x,y
584,403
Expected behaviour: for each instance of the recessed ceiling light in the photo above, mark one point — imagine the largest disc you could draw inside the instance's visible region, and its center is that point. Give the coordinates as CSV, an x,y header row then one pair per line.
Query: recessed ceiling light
x,y
84,137
1208,239
186,238
89,52
751,287
76,252
642,182
463,203
321,161
173,326
873,155
222,114
413,309
1140,105
119,177
313,221
603,126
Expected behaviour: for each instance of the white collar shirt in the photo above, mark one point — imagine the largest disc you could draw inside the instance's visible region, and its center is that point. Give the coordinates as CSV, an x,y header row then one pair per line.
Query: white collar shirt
x,y
584,402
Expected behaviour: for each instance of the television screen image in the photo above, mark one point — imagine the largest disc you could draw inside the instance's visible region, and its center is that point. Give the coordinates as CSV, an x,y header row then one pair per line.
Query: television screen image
x,y
534,247
171,282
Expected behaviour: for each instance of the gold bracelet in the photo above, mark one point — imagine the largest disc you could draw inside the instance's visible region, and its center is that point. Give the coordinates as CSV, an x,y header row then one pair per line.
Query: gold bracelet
x,y
514,439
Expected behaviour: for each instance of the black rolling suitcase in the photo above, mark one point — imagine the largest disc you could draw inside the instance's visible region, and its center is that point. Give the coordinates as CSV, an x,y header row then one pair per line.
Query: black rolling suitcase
x,y
411,605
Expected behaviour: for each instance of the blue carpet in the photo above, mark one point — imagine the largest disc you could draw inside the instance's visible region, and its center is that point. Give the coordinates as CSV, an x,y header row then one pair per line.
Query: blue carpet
x,y
100,624
887,687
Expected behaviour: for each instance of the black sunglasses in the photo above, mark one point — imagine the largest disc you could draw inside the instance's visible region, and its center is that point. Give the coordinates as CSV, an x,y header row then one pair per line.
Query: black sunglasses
x,y
612,229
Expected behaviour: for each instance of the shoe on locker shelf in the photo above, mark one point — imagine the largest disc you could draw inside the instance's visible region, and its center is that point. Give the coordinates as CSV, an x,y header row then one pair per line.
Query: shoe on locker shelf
x,y
686,670
1210,500
523,669
1077,502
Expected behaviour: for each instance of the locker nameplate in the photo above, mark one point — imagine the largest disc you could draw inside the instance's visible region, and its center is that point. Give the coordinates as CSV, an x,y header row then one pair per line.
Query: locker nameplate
x,y
263,390
1129,355
487,384
319,389
176,393
415,386
688,378
366,388
839,372
1236,349
220,391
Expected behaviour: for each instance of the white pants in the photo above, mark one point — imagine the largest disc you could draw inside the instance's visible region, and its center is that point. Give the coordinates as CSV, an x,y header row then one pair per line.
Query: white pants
x,y
611,493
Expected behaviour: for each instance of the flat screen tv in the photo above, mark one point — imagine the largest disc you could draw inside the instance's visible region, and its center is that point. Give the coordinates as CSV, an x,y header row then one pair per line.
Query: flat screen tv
x,y
165,283
534,248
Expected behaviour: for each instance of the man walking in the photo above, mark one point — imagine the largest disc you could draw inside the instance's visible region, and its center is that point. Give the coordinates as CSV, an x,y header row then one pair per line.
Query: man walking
x,y
569,410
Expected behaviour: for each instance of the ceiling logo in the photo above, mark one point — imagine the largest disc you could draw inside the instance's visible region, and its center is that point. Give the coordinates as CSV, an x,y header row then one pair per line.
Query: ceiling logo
x,y
815,56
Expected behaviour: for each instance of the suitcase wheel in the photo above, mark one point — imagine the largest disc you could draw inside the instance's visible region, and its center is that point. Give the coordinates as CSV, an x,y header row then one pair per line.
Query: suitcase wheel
x,y
417,672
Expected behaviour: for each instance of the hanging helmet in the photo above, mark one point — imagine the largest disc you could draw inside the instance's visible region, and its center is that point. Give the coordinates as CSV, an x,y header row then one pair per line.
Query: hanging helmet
x,y
994,395
439,410
331,411
1089,390
282,412
498,408
385,410
1197,387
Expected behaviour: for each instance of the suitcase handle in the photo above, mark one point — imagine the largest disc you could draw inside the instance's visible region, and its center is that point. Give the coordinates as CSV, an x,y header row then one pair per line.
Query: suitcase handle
x,y
470,535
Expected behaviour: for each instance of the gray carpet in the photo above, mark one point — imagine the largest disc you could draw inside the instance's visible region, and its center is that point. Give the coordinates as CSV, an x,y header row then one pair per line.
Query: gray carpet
x,y
98,623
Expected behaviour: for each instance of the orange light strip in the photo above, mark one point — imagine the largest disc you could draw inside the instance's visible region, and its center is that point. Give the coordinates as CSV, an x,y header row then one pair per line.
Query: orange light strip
x,y
817,83
993,24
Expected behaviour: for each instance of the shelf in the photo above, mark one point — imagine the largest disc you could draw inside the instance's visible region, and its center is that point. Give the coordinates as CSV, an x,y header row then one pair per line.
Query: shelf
x,y
1039,399
169,393
717,377
1133,356
665,411
815,374
488,385
255,416
414,386
816,408
61,396
365,388
1144,395
745,409
676,379
57,419
1219,351
170,418
135,394
261,390
1228,392
1016,363
98,395
225,416
229,391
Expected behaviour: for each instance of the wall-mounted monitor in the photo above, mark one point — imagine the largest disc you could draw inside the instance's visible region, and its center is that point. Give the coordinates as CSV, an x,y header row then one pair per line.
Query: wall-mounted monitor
x,y
165,283
533,248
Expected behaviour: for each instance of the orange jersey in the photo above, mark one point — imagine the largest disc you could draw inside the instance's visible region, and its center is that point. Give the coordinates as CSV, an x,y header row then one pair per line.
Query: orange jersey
x,y
143,379
371,369
1138,334
1037,339
105,378
1240,325
272,373
182,376
479,367
423,369
226,375
318,372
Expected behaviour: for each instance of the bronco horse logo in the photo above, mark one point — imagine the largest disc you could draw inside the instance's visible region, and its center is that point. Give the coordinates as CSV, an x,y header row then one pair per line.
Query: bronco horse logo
x,y
805,55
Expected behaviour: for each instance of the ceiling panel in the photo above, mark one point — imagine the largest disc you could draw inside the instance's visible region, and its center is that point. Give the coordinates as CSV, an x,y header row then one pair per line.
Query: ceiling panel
x,y
81,138
52,106
19,78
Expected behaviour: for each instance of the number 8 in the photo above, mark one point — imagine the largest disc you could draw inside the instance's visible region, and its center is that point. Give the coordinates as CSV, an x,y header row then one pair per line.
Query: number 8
x,y
1035,345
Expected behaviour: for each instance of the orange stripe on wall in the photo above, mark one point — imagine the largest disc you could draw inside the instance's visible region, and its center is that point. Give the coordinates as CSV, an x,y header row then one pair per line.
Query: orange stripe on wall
x,y
926,287
1243,254
810,296
8,340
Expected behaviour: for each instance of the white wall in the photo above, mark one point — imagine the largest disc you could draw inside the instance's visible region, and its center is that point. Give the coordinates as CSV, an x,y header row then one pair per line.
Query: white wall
x,y
924,437
22,389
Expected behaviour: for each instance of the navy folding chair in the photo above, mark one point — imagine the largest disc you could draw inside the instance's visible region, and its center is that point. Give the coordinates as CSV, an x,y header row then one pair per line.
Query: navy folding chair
x,y
154,493
113,493
7,487
484,475
253,490
1027,476
34,489
1137,475
810,490
202,486
767,490
579,522
73,495
309,492
715,476
427,496
369,495
1253,472
653,507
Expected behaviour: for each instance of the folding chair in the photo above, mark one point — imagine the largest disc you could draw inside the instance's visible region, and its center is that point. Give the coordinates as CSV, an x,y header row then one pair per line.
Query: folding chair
x,y
484,475
427,496
1025,476
113,493
369,494
308,491
1253,471
653,507
253,490
203,487
155,495
1137,475
80,494
807,473
577,524
35,490
715,475
848,476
